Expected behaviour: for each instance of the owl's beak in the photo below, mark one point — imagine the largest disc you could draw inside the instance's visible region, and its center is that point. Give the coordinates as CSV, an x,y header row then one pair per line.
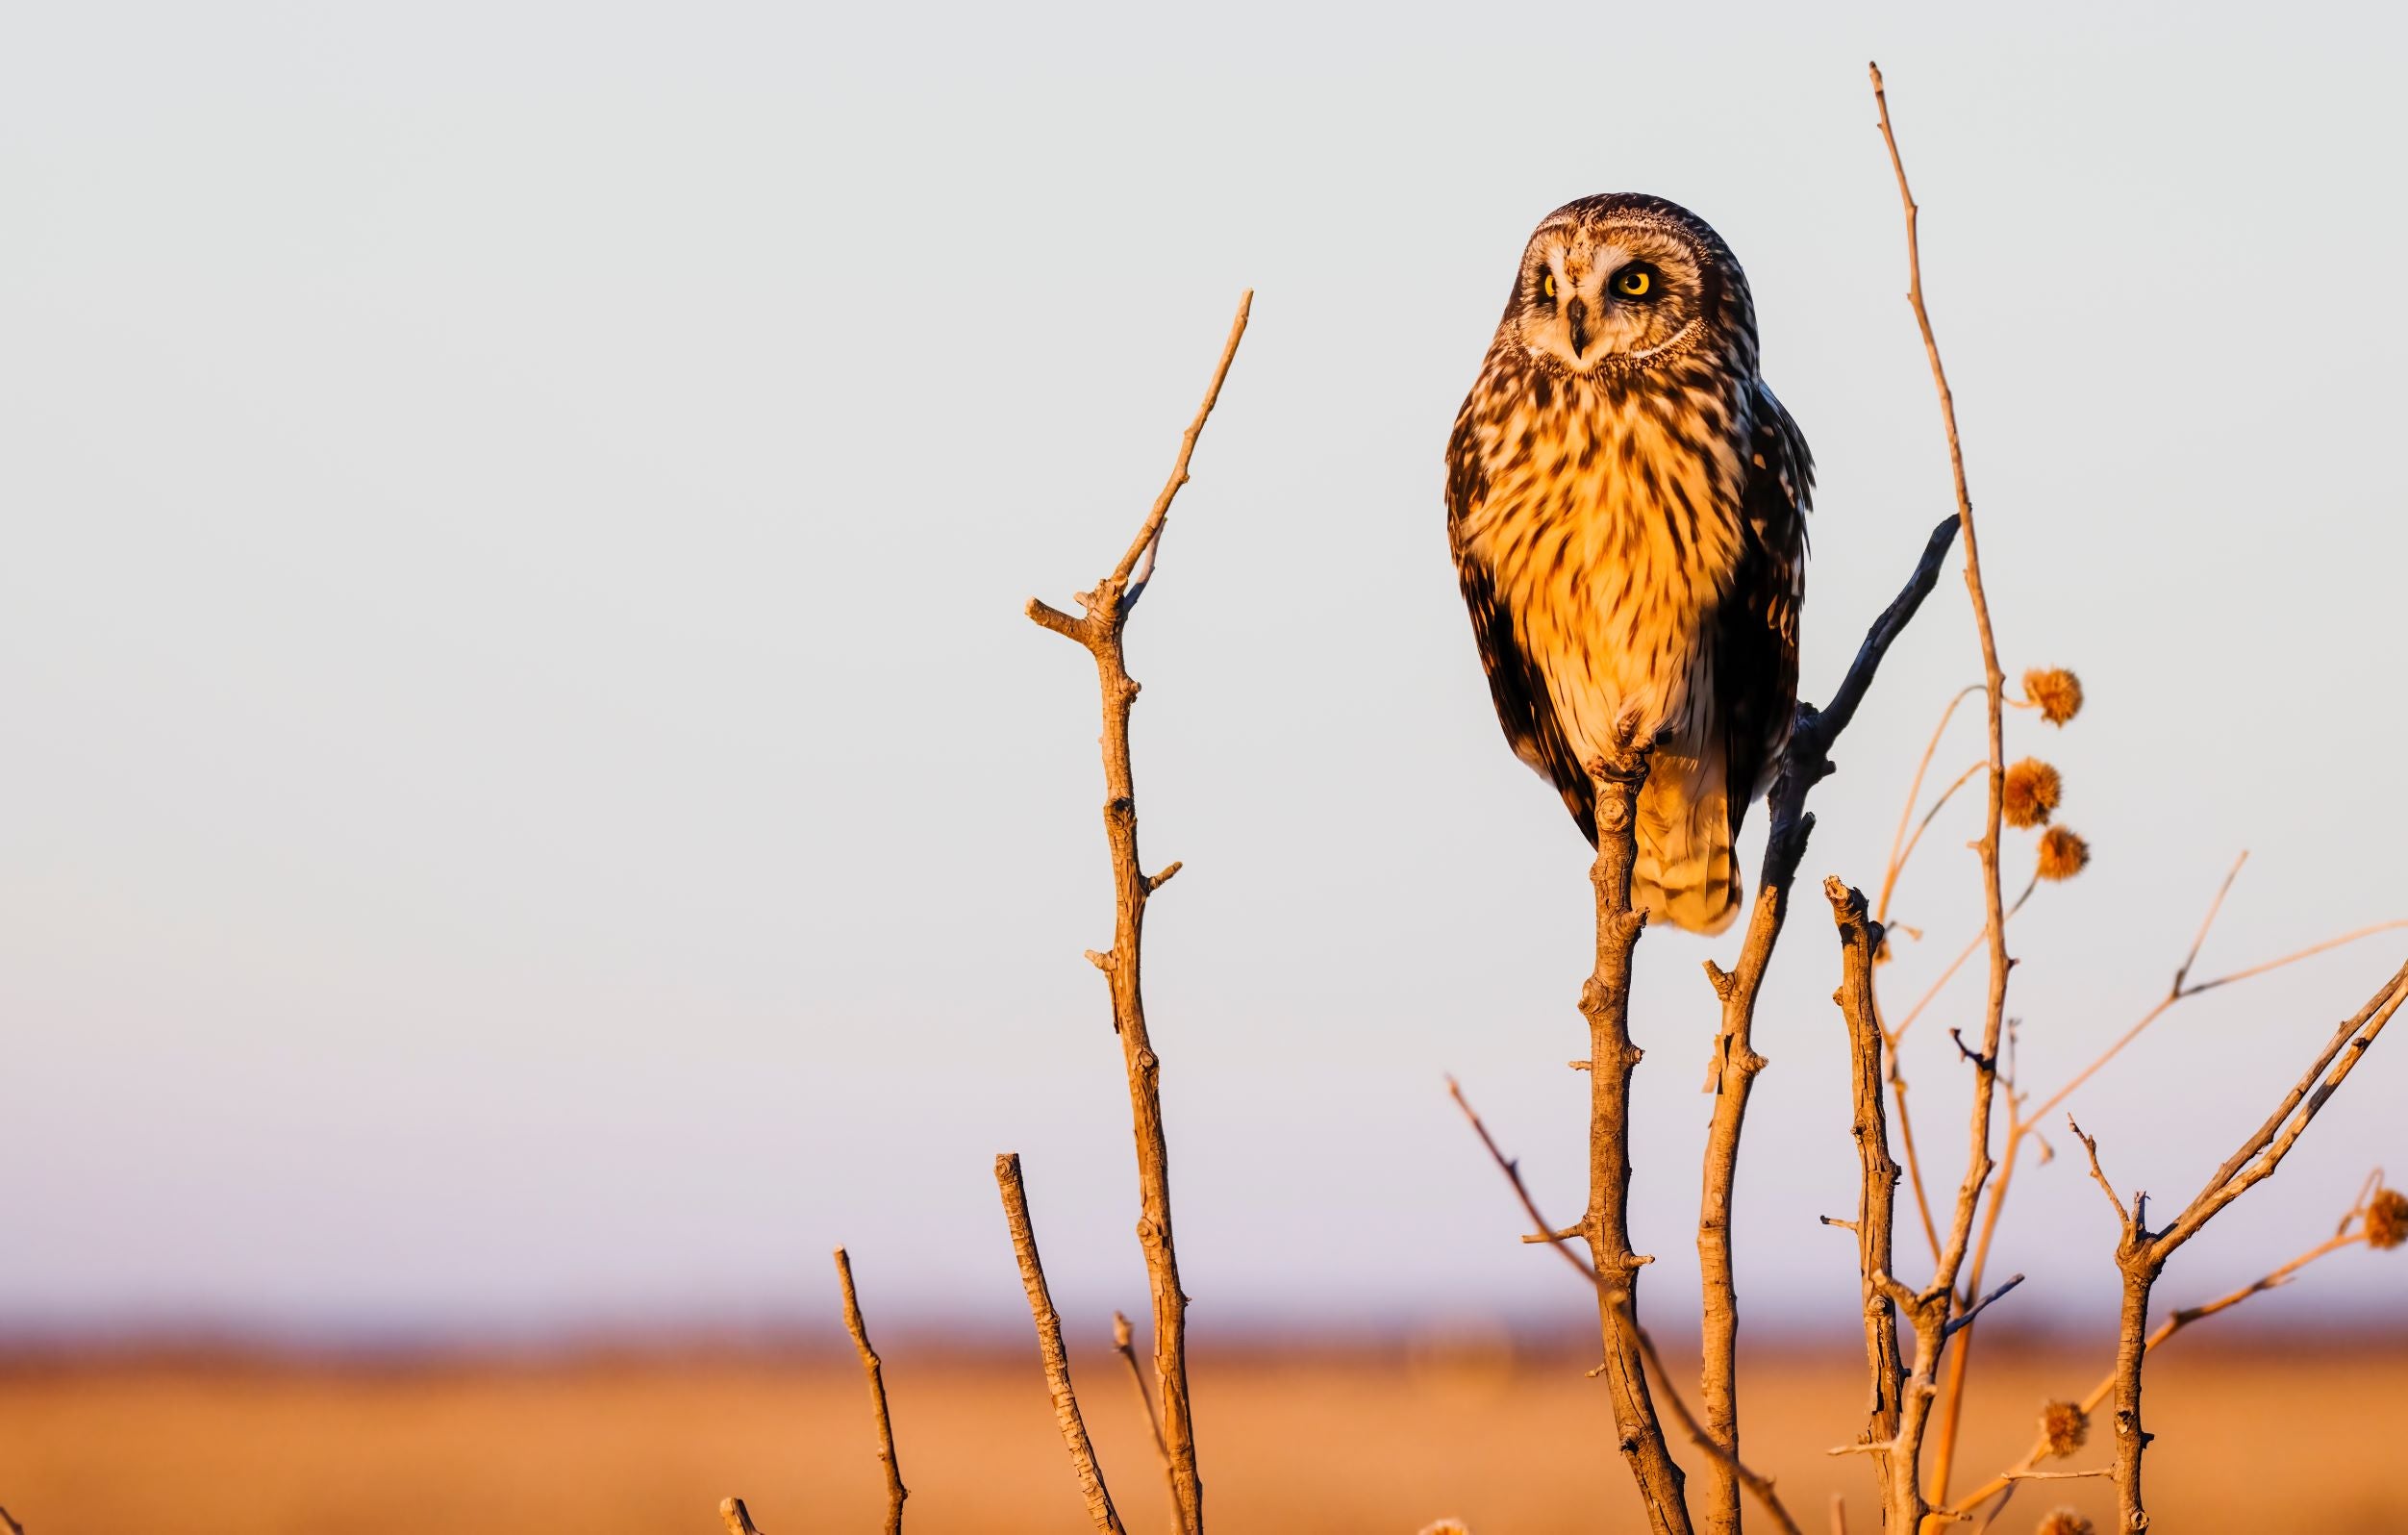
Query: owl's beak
x,y
1577,316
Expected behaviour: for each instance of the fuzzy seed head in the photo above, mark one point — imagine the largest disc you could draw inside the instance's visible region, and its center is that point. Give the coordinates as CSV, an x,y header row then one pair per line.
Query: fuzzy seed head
x,y
2032,793
2387,1218
1446,1526
2065,1521
2056,690
2062,854
2065,1426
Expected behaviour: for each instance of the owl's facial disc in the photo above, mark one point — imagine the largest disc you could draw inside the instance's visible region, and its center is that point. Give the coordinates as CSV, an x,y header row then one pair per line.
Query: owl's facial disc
x,y
1618,292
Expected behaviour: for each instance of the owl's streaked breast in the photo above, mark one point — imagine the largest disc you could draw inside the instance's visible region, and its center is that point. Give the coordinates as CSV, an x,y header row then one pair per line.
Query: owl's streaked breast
x,y
1610,525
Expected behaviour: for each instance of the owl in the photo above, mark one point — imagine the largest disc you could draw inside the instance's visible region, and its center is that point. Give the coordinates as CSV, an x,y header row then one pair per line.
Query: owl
x,y
1626,503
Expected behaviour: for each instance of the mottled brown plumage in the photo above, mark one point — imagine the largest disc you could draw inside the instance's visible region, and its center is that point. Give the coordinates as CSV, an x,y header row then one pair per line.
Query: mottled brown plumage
x,y
1626,501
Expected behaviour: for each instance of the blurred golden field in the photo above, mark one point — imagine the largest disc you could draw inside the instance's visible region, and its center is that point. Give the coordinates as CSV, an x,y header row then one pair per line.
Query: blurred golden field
x,y
2257,1437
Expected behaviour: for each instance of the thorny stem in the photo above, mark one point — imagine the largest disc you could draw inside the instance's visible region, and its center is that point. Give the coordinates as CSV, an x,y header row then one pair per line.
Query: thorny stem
x,y
1100,629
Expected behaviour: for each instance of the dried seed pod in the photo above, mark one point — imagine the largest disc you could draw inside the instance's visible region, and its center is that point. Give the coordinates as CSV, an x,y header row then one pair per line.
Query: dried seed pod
x,y
2387,1218
2032,792
2065,1426
2062,854
2055,690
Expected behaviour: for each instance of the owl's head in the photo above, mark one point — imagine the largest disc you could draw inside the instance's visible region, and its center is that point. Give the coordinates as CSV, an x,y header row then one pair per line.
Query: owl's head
x,y
1621,282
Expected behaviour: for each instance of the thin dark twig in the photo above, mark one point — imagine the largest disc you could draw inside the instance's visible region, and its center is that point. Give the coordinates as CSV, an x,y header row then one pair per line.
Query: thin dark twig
x,y
1759,1485
1123,1346
1511,1169
1958,1325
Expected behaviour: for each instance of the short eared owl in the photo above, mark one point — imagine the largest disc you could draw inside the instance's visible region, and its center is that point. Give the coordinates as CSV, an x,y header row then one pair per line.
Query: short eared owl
x,y
1627,503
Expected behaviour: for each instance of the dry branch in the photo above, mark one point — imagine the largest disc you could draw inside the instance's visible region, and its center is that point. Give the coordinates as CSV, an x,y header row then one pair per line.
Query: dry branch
x,y
1041,1309
1876,1200
896,1492
2001,1486
2022,1124
1100,628
2141,1254
1805,761
1929,1310
1605,1001
1756,1484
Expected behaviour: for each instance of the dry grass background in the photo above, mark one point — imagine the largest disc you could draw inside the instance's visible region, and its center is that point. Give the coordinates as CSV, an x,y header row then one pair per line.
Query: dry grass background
x,y
2263,1437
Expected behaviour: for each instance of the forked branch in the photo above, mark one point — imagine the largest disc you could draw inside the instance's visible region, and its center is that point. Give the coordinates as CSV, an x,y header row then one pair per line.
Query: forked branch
x,y
1099,628
1805,761
1757,1484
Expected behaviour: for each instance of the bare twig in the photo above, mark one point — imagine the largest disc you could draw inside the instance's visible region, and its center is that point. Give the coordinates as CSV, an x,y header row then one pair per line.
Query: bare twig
x,y
2089,1143
1057,1360
1937,806
1906,1503
1512,1169
1959,1323
1805,761
2265,1149
1901,849
1100,629
1123,1346
1761,1486
1148,540
2002,1485
896,1492
2141,1254
1876,1200
2023,1124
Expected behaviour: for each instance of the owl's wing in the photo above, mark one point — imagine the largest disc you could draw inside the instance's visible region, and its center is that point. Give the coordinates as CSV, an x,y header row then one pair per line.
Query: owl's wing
x,y
1755,653
1516,687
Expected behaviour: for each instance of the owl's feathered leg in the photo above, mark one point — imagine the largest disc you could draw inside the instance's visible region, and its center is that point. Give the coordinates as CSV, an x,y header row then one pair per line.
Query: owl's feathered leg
x,y
1688,871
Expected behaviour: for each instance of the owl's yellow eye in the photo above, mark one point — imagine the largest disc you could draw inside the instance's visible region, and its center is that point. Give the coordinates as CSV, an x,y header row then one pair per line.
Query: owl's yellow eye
x,y
1634,282
1546,284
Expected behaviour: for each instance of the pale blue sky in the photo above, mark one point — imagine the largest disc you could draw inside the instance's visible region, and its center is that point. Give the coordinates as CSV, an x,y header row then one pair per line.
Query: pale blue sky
x,y
526,799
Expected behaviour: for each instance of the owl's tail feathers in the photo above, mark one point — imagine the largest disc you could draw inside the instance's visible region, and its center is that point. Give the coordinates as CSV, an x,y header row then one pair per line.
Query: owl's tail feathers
x,y
1686,874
